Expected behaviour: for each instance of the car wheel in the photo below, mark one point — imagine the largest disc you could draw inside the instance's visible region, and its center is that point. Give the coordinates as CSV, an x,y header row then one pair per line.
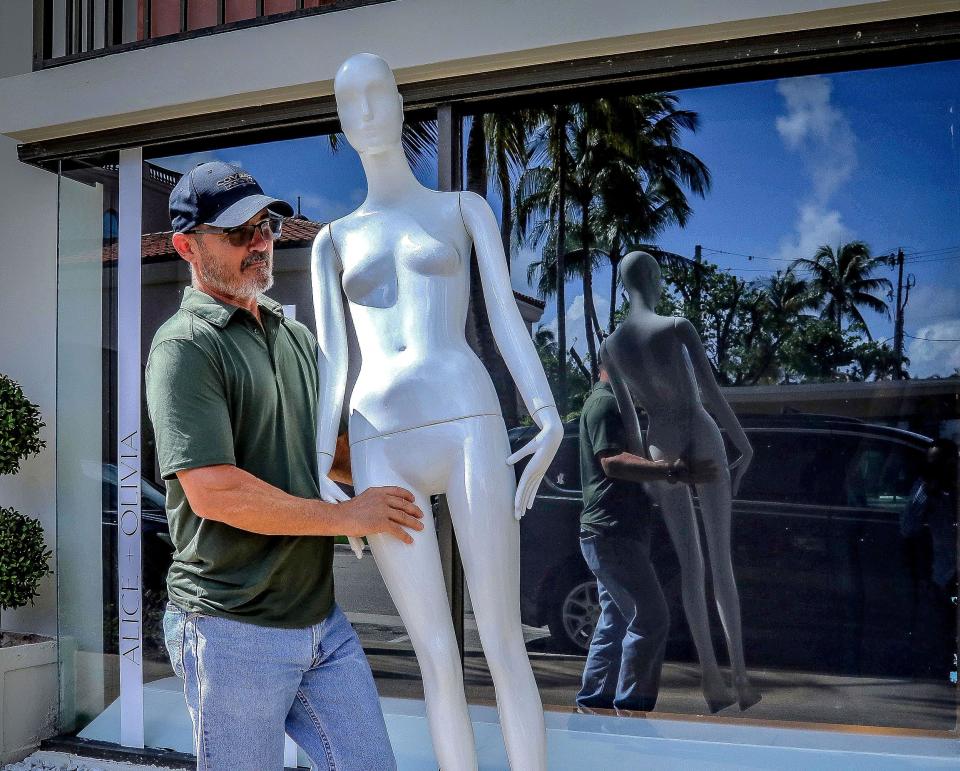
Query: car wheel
x,y
574,616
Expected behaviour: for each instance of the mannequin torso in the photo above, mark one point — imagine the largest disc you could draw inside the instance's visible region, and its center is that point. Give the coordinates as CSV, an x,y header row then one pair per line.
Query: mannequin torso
x,y
653,360
405,273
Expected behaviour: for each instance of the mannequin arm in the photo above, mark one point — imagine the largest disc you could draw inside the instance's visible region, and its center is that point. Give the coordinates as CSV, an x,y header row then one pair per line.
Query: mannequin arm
x,y
714,401
332,344
331,361
509,331
515,346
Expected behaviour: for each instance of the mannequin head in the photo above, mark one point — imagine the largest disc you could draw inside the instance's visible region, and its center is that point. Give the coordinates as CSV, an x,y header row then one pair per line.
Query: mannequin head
x,y
640,275
368,103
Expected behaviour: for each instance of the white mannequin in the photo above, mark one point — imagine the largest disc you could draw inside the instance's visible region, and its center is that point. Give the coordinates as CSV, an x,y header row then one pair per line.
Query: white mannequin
x,y
424,414
661,362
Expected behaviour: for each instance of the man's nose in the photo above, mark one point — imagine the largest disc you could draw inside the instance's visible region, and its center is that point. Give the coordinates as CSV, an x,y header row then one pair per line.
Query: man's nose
x,y
258,243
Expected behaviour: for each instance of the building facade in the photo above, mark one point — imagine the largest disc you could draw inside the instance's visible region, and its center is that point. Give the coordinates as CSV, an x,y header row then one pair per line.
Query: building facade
x,y
789,144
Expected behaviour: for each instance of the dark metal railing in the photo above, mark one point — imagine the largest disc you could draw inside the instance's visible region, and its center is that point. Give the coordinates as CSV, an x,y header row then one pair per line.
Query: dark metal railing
x,y
66,31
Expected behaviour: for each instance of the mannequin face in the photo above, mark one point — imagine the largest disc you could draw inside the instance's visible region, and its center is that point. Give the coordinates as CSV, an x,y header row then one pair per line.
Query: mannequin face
x,y
368,103
640,274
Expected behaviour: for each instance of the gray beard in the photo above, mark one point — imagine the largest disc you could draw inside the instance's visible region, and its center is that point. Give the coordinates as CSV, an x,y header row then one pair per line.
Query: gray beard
x,y
211,273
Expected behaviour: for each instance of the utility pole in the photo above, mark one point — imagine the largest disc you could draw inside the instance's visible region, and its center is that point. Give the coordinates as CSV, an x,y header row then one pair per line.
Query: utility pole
x,y
903,297
695,295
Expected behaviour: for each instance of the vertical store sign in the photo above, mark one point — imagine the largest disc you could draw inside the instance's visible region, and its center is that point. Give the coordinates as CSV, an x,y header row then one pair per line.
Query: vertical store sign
x,y
130,602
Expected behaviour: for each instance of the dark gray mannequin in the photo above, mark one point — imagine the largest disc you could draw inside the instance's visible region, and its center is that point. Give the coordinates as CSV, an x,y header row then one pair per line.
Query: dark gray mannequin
x,y
661,363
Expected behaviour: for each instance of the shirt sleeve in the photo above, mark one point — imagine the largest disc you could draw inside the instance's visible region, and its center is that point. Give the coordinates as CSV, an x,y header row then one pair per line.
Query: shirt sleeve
x,y
187,404
605,426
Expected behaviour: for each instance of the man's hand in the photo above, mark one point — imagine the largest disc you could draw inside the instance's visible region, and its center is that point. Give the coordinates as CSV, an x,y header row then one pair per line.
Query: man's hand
x,y
702,471
381,510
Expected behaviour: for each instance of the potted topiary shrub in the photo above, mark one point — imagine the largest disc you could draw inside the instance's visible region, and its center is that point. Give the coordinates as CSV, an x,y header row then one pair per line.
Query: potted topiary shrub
x,y
28,663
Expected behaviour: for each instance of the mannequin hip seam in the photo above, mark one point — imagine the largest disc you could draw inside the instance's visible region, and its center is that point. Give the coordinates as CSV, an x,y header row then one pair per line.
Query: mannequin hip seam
x,y
426,425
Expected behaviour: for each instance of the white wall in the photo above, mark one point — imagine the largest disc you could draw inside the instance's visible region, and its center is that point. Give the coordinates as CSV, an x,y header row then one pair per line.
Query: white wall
x,y
16,23
422,40
28,317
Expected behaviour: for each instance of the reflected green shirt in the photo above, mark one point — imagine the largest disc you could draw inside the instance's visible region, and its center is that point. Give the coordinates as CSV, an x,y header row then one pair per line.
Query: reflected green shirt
x,y
223,390
610,506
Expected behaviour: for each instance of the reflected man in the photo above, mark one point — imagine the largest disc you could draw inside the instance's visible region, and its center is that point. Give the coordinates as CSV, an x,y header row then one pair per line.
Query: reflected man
x,y
623,665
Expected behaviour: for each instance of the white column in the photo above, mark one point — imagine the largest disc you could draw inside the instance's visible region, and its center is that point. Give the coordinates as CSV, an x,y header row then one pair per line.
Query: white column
x,y
128,449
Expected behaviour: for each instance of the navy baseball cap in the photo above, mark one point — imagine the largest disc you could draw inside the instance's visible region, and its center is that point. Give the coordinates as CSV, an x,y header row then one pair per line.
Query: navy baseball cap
x,y
220,195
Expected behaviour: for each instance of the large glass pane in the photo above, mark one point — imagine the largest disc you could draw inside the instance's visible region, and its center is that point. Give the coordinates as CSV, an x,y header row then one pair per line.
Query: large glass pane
x,y
809,235
86,446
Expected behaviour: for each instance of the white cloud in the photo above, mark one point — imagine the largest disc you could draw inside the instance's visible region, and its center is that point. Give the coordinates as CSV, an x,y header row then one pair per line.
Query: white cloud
x,y
939,353
576,334
819,131
815,226
929,304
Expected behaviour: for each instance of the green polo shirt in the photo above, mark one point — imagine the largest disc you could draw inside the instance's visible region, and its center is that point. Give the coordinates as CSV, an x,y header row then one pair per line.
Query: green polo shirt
x,y
223,390
610,506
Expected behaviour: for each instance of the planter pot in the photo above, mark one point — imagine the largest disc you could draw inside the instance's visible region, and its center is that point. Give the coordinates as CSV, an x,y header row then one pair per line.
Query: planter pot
x,y
28,694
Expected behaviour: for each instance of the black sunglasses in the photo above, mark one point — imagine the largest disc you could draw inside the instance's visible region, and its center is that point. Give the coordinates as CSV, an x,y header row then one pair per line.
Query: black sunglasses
x,y
269,229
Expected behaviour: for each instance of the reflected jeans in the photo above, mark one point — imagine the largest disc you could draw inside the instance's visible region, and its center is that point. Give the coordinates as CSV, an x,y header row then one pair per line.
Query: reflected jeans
x,y
247,685
623,665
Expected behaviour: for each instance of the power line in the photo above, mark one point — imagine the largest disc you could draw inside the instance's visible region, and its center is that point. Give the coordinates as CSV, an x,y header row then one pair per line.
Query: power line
x,y
917,252
732,254
933,339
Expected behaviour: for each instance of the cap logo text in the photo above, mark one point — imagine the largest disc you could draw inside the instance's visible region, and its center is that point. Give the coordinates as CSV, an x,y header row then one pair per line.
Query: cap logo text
x,y
236,180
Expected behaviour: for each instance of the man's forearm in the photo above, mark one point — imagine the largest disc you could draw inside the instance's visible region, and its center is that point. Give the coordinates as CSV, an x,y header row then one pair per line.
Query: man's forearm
x,y
633,468
237,498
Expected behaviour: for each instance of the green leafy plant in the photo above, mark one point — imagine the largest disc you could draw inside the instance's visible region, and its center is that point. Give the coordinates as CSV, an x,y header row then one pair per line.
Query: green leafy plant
x,y
24,558
20,426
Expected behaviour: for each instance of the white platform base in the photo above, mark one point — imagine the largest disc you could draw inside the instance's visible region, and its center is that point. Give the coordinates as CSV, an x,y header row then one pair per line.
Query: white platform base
x,y
592,741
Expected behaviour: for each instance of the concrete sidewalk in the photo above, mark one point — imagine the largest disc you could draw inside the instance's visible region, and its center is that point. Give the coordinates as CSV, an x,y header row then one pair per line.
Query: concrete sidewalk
x,y
63,761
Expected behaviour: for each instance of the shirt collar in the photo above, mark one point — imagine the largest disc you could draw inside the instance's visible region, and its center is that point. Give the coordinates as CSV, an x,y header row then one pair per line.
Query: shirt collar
x,y
219,313
604,384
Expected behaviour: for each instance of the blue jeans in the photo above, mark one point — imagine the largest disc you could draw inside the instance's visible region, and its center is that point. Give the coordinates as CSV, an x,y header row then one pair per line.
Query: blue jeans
x,y
246,685
626,652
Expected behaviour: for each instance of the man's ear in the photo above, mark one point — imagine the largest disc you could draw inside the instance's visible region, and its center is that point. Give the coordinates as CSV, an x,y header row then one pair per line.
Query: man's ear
x,y
184,246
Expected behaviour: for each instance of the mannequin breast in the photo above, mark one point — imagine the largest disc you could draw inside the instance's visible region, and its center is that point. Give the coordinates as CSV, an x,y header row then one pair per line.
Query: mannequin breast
x,y
407,290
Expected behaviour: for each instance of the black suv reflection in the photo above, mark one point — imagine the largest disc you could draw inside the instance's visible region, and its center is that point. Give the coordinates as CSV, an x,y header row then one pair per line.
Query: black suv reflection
x,y
825,579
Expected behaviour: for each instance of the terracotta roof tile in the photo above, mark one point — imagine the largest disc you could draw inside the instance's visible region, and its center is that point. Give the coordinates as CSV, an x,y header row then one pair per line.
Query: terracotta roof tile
x,y
154,246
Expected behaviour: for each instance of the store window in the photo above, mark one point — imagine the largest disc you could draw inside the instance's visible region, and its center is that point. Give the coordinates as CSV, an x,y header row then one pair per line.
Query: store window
x,y
779,214
809,236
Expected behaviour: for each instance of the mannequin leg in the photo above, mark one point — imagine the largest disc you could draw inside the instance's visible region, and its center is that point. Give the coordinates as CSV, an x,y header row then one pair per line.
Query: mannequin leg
x,y
680,519
414,577
715,509
480,495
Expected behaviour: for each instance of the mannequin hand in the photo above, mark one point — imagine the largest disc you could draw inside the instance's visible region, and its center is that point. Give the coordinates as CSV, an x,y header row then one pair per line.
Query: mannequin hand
x,y
738,468
330,492
700,471
542,447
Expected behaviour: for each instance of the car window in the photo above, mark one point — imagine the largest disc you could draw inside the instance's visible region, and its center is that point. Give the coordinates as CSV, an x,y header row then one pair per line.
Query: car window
x,y
882,473
790,466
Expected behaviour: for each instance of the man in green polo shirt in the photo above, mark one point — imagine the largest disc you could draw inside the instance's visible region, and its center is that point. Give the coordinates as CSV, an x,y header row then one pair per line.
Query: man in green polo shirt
x,y
622,670
232,387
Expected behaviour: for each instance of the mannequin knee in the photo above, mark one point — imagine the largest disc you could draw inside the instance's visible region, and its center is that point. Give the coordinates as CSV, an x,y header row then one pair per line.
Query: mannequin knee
x,y
439,661
506,659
